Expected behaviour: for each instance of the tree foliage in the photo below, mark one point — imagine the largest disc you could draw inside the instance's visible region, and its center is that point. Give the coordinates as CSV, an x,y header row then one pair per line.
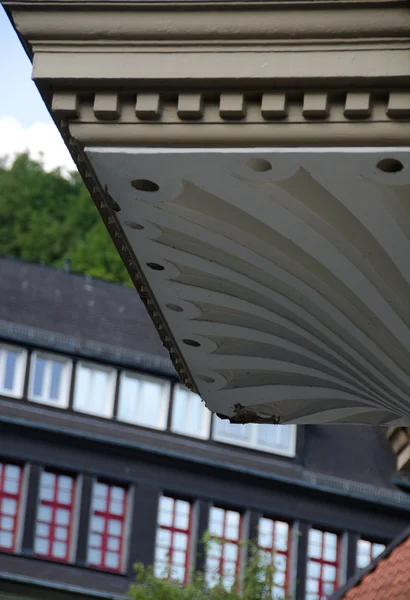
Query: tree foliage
x,y
256,583
48,218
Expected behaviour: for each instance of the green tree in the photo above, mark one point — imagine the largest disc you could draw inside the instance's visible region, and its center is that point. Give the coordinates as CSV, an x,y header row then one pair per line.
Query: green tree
x,y
48,218
255,584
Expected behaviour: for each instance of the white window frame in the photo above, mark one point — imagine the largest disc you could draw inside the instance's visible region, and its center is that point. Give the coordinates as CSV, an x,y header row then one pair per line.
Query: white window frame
x,y
18,387
62,401
205,426
164,401
108,411
253,442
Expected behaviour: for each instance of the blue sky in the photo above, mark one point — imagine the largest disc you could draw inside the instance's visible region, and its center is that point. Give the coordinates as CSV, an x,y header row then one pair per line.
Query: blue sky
x,y
24,120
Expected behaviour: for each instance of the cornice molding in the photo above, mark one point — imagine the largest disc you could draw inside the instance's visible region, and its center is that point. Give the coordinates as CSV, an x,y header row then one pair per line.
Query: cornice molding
x,y
342,117
276,21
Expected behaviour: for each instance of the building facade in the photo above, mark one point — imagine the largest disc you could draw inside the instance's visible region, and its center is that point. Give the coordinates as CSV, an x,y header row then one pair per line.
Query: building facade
x,y
106,460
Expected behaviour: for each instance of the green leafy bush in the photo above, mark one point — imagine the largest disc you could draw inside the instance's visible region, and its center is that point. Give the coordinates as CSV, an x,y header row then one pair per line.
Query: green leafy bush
x,y
50,219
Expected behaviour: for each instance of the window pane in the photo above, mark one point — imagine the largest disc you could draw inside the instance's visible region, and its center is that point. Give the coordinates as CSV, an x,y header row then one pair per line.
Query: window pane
x,y
97,524
377,549
61,533
45,513
172,541
7,523
323,564
56,374
9,506
144,401
11,373
113,543
10,369
231,431
128,403
55,515
82,387
94,556
366,552
64,496
266,437
275,436
98,392
41,546
46,380
223,556
39,369
107,526
10,489
150,404
59,550
94,391
95,540
42,530
6,540
62,517
273,538
11,485
112,560
114,527
189,415
180,410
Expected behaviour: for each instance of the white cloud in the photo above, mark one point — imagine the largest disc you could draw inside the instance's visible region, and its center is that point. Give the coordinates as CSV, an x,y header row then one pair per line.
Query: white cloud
x,y
41,140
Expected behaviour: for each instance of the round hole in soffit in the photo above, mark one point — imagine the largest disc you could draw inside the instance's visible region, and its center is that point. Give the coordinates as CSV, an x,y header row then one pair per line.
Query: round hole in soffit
x,y
155,266
133,225
145,185
192,343
390,165
260,165
174,307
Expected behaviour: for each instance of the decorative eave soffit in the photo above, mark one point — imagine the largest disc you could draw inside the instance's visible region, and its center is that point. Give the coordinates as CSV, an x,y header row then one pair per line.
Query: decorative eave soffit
x,y
251,162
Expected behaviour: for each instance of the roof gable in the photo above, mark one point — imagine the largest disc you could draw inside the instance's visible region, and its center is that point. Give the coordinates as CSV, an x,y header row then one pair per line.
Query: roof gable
x,y
386,577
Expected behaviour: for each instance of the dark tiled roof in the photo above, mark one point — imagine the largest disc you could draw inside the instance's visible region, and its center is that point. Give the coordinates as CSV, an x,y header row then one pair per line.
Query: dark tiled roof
x,y
386,578
360,453
75,313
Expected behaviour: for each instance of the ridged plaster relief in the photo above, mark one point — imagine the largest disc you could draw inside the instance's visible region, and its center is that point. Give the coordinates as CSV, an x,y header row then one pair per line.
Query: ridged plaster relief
x,y
283,275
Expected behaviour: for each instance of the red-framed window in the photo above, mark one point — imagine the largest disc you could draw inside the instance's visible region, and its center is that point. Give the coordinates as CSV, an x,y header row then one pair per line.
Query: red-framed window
x,y
367,551
172,551
274,539
106,540
55,513
222,564
11,477
323,564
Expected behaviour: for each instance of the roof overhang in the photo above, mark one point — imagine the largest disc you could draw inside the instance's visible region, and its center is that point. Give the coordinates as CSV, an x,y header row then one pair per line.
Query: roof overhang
x,y
251,161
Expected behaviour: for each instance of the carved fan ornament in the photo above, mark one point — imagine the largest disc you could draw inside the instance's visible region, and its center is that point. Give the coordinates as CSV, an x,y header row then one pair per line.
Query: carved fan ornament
x,y
283,275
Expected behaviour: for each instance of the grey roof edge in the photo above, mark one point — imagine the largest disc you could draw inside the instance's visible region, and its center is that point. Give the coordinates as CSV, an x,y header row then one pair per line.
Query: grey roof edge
x,y
310,480
55,585
14,332
357,578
